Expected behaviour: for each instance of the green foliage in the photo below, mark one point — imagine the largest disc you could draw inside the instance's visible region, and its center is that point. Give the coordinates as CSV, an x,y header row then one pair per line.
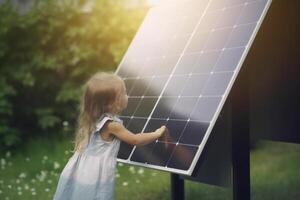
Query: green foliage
x,y
47,53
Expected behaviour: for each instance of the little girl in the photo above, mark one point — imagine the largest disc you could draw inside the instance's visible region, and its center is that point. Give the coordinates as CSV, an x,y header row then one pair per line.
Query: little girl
x,y
90,172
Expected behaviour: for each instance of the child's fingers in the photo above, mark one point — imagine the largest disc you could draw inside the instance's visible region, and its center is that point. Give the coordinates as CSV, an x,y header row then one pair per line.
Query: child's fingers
x,y
164,128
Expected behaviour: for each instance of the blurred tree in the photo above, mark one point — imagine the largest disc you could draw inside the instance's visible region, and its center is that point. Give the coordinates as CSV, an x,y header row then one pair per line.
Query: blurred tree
x,y
47,53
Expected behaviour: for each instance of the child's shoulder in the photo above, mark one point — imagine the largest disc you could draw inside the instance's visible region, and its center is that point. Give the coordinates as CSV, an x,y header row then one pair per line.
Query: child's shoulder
x,y
113,117
108,122
108,118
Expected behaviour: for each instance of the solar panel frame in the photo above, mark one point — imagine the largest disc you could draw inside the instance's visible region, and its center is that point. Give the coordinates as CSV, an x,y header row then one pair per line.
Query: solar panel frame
x,y
219,108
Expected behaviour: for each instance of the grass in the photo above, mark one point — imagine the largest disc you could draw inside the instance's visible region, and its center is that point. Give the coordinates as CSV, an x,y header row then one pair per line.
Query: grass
x,y
33,172
275,171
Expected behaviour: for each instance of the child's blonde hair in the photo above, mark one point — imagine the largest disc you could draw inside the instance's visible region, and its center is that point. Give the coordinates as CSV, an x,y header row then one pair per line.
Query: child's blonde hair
x,y
102,94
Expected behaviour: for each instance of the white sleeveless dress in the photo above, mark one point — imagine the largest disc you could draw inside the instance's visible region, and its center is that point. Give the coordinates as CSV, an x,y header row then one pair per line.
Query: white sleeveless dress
x,y
90,175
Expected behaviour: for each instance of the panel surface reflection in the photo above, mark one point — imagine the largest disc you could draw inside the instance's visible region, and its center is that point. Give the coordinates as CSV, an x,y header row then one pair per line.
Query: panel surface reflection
x,y
182,157
177,72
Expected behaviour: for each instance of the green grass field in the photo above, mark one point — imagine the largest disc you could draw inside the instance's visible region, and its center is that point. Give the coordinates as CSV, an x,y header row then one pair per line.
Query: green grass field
x,y
32,173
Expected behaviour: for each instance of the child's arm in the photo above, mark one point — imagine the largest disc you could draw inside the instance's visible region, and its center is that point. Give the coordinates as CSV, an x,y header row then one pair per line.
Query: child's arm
x,y
125,135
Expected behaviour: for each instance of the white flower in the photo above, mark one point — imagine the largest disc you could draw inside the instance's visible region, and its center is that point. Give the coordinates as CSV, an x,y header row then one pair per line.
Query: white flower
x,y
22,175
41,177
141,170
9,186
19,188
8,154
18,181
32,189
6,198
120,164
49,181
47,189
33,180
45,157
154,174
27,159
3,161
56,165
132,169
66,152
26,186
33,193
137,181
118,175
0,191
125,183
19,193
65,123
1,181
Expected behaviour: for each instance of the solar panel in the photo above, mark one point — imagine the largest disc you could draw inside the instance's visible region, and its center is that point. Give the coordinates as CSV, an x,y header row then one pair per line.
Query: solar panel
x,y
179,70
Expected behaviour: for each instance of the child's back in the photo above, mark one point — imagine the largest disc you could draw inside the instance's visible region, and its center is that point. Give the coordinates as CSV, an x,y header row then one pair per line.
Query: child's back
x,y
90,174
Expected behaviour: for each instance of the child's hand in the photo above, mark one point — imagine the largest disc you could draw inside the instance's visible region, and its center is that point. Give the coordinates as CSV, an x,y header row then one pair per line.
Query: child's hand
x,y
161,131
164,133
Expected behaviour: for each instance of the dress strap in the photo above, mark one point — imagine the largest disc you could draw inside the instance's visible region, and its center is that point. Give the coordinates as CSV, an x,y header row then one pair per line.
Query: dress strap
x,y
104,118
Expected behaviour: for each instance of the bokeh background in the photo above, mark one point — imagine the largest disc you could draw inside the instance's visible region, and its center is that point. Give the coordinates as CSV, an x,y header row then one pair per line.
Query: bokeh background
x,y
48,49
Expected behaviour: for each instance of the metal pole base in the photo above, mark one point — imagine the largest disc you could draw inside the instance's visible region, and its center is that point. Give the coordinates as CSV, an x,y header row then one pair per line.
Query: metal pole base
x,y
177,187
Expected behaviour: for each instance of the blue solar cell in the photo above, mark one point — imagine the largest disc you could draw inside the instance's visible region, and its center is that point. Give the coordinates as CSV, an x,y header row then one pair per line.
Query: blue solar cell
x,y
175,128
156,86
142,153
193,133
229,16
136,125
240,35
206,61
229,59
175,85
150,66
252,11
164,107
218,39
182,157
160,154
133,103
186,64
208,22
194,85
125,120
205,109
183,108
139,86
198,42
217,84
167,65
125,150
145,107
